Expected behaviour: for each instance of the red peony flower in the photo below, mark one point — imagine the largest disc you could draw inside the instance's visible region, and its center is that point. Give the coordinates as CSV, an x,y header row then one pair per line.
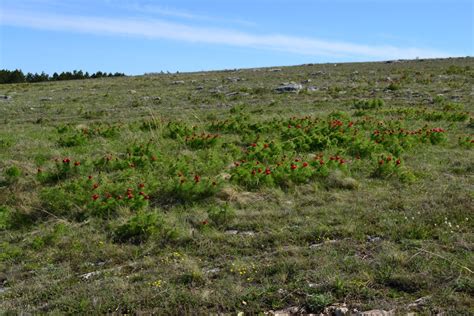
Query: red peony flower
x,y
130,196
305,164
381,161
95,197
197,178
141,185
267,171
398,162
95,186
89,177
293,166
253,145
77,163
66,160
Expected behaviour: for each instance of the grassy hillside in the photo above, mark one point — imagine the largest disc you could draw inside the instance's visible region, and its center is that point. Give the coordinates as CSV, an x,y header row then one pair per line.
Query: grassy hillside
x,y
212,192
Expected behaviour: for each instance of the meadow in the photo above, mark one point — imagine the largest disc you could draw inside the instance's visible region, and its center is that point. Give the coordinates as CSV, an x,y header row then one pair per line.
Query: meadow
x,y
212,192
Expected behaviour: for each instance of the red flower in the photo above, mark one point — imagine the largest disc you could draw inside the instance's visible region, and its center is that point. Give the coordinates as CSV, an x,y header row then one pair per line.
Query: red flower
x,y
89,177
321,162
381,161
146,197
66,160
389,158
266,145
267,171
253,145
398,162
236,164
141,185
293,166
129,190
259,170
289,126
130,196
95,197
197,178
205,222
142,193
77,163
95,186
253,172
298,126
305,164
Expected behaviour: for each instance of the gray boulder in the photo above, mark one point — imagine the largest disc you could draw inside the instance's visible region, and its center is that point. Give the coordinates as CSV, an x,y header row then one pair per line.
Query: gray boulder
x,y
289,88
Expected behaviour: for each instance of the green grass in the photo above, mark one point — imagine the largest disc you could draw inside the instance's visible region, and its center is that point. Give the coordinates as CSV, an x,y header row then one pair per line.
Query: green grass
x,y
360,192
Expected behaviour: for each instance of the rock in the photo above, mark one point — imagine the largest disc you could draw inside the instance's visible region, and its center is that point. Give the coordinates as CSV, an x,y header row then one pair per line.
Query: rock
x,y
306,81
248,233
377,312
315,246
373,239
132,91
290,87
422,301
337,310
233,94
231,232
292,310
234,79
89,275
312,89
274,70
178,82
216,90
5,97
212,271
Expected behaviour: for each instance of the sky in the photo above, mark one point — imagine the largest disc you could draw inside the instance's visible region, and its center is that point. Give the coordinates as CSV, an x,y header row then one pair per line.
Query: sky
x,y
142,36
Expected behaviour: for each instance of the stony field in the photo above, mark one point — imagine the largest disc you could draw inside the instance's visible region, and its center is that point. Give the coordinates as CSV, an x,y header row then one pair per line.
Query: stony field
x,y
334,188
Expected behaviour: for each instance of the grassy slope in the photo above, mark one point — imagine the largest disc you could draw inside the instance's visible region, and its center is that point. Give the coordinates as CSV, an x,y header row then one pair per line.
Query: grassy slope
x,y
379,243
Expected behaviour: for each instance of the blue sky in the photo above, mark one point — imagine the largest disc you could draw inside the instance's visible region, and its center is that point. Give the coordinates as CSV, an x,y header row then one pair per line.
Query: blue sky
x,y
138,36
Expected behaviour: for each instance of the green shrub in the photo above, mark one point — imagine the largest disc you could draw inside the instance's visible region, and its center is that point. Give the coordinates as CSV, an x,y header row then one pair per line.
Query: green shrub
x,y
220,214
12,174
139,228
368,104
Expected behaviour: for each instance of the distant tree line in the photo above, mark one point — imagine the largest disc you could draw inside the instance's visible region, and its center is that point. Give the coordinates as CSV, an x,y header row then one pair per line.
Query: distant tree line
x,y
17,76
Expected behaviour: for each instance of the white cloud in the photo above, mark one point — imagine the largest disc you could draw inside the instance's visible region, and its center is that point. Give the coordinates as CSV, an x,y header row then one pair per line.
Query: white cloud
x,y
160,29
171,12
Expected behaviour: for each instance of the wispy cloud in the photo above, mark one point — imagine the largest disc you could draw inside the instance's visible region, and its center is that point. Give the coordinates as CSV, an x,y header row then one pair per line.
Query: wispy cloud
x,y
161,29
172,12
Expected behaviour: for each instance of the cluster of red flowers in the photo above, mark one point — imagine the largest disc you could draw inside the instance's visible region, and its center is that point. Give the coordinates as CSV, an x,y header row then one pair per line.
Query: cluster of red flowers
x,y
388,159
129,193
202,136
337,158
438,130
336,123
